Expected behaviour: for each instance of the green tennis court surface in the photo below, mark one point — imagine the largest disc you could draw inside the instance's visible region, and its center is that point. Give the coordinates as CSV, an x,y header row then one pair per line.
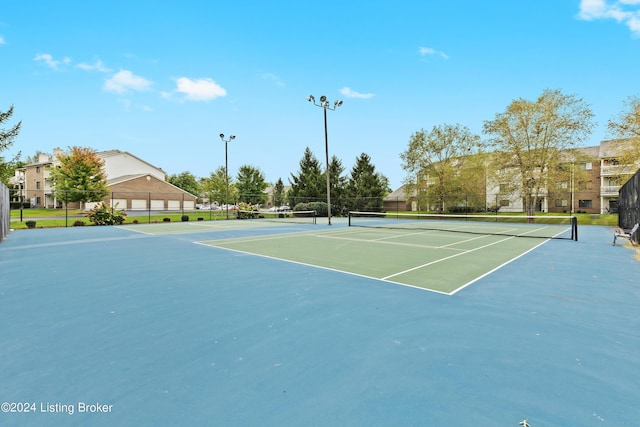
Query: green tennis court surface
x,y
441,261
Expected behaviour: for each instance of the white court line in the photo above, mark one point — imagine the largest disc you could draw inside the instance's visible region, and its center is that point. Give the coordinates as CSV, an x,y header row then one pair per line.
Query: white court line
x,y
497,268
75,242
411,245
324,268
446,258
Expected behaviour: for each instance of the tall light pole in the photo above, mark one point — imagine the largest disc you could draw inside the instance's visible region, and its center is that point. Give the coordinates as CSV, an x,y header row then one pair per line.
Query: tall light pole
x,y
326,105
226,167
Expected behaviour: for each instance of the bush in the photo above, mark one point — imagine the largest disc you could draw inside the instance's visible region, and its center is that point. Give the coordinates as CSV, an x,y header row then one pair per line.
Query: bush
x,y
185,218
321,208
78,223
101,214
246,211
30,224
166,219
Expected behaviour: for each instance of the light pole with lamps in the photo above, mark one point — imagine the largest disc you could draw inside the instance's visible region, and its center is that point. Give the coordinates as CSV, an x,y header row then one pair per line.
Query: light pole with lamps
x,y
226,167
326,105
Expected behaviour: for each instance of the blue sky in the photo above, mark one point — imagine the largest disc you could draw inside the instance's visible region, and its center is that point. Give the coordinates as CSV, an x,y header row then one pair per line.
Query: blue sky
x,y
162,79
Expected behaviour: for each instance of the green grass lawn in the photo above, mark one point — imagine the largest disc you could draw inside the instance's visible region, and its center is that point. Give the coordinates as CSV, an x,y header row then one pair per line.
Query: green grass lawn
x,y
49,218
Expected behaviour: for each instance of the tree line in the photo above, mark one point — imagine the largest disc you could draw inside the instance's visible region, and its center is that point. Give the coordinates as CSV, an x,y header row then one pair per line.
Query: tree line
x,y
363,187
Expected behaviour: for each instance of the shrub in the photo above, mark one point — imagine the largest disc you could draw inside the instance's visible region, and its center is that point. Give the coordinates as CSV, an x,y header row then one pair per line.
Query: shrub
x,y
101,214
30,224
320,208
185,218
78,223
166,219
246,211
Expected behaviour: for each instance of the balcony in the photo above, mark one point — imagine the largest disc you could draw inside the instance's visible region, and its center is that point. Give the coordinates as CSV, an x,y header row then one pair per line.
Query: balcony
x,y
609,190
613,170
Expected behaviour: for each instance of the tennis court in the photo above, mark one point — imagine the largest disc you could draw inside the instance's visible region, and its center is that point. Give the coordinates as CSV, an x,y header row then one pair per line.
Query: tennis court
x,y
222,324
442,257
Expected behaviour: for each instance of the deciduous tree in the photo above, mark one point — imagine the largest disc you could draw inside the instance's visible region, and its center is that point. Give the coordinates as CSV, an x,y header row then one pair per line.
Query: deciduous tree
x,y
80,176
214,187
529,137
186,181
433,161
626,127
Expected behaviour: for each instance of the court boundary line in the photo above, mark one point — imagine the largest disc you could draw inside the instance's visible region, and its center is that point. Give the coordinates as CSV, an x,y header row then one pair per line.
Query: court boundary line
x,y
498,267
323,268
76,242
447,258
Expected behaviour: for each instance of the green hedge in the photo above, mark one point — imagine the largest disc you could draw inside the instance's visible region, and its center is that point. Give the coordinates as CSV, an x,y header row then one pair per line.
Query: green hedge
x,y
320,208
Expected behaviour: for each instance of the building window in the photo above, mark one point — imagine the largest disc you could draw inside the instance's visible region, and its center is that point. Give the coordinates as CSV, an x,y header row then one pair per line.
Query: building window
x,y
504,203
561,203
587,204
586,166
37,185
562,185
584,185
37,169
504,188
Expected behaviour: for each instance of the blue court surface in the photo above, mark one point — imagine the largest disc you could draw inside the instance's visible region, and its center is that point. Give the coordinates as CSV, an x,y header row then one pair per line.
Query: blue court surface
x,y
106,326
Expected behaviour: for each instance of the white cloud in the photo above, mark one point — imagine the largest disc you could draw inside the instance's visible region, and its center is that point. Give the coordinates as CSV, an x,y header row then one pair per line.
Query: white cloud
x,y
430,51
272,78
199,89
626,12
124,81
2,40
50,62
97,66
353,94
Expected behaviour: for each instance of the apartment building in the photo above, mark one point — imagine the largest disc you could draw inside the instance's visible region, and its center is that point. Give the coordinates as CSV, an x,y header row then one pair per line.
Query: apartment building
x,y
133,184
590,184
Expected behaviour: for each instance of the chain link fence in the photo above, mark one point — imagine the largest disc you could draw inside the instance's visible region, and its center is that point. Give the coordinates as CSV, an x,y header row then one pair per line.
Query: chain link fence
x,y
5,211
139,204
629,202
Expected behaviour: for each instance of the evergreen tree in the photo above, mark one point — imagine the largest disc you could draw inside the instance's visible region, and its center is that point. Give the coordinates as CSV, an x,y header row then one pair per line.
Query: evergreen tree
x,y
278,193
310,184
6,139
339,198
366,187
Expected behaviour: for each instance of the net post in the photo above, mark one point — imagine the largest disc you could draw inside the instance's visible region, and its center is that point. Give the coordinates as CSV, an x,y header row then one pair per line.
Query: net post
x,y
349,215
574,228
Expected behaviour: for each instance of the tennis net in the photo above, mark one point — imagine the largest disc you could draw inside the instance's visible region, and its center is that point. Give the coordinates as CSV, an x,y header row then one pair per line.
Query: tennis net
x,y
296,217
539,226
